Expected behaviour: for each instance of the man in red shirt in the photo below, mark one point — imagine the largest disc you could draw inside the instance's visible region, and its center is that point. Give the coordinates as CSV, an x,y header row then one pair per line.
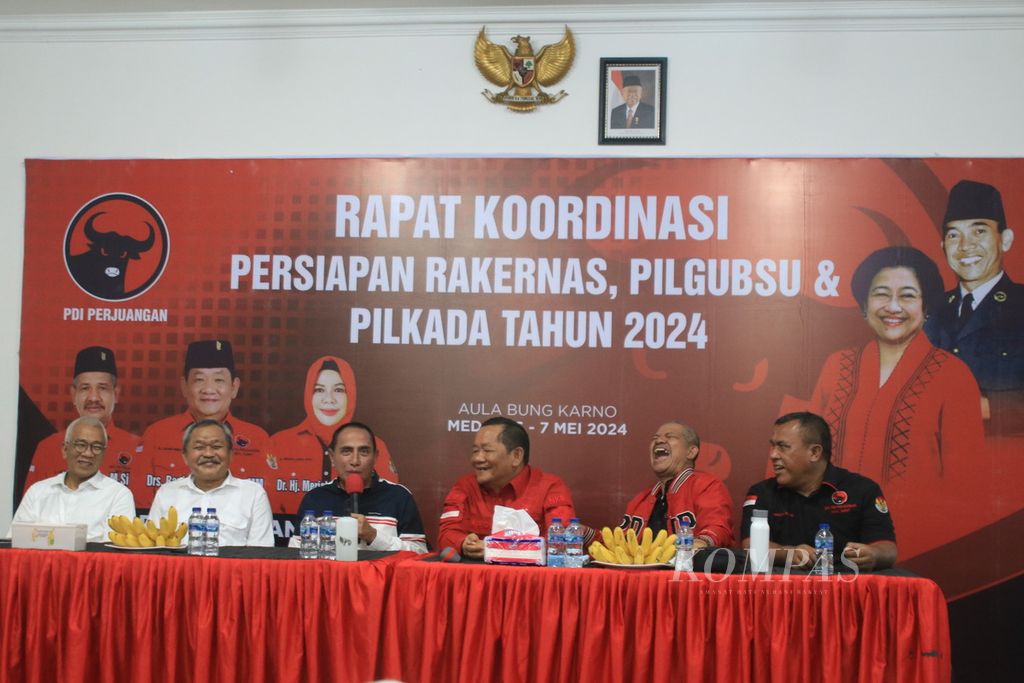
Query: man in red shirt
x,y
95,392
501,475
681,492
209,384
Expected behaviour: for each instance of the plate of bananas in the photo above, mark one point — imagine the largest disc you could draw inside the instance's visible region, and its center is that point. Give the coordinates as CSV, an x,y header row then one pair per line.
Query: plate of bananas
x,y
623,550
134,534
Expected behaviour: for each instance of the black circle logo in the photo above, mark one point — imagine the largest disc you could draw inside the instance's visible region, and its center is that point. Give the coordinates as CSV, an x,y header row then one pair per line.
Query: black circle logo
x,y
116,247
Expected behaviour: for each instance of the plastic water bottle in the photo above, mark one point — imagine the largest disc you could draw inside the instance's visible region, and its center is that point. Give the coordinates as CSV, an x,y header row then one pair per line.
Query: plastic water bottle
x,y
211,539
684,548
328,529
823,551
309,536
196,532
574,556
760,535
556,543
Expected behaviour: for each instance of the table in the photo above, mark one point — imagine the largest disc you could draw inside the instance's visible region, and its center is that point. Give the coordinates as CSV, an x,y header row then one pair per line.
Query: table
x,y
164,616
161,616
455,622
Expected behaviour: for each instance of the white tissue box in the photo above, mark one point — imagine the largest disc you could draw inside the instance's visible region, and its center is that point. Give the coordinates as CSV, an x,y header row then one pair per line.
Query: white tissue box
x,y
511,548
49,536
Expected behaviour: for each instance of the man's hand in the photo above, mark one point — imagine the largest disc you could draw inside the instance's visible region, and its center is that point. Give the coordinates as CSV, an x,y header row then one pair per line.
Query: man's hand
x,y
867,556
803,556
366,532
473,547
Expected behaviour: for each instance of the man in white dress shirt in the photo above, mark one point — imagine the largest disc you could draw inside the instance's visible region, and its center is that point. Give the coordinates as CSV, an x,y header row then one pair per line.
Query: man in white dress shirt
x,y
82,494
242,505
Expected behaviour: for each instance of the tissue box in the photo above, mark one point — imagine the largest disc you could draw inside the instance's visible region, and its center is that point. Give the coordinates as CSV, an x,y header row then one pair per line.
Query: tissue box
x,y
513,548
49,536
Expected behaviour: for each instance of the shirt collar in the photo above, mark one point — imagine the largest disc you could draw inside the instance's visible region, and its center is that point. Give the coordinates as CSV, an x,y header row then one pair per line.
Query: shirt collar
x,y
982,290
676,482
93,482
230,481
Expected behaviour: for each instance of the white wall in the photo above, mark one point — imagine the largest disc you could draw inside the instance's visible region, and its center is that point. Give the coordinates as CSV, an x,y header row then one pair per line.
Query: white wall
x,y
909,78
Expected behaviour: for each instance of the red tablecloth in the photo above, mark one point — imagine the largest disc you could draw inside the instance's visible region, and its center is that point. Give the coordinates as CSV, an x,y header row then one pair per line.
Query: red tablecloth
x,y
94,617
135,617
470,623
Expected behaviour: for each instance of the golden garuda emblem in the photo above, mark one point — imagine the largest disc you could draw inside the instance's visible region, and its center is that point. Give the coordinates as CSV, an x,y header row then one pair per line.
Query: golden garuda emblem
x,y
523,73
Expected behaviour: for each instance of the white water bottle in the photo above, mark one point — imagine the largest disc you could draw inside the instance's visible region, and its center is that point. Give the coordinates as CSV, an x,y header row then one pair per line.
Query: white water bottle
x,y
684,548
196,532
309,536
759,539
346,546
823,551
211,539
328,528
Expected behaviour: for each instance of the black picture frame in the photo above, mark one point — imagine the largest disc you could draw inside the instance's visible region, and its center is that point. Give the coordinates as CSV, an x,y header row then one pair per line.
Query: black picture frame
x,y
647,125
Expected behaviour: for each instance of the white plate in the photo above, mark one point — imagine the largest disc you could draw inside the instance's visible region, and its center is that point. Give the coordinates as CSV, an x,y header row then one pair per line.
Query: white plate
x,y
611,565
155,547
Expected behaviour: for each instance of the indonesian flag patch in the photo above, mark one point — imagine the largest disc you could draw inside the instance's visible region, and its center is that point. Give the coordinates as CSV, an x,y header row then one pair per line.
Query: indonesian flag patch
x,y
749,500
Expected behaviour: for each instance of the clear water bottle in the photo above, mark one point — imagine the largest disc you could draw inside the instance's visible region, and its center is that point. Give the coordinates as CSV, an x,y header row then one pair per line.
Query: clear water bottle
x,y
309,536
196,532
556,543
328,529
574,556
211,539
823,551
684,548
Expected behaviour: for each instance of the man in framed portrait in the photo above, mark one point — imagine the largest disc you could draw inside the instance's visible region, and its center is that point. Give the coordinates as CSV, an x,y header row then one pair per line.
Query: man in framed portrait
x,y
634,113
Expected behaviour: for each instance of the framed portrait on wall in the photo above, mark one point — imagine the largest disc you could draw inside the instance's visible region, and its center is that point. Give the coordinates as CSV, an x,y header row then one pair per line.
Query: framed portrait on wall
x,y
632,110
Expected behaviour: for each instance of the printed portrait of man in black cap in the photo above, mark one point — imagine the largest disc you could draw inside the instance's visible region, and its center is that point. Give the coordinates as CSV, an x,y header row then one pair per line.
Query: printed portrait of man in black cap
x,y
94,392
209,383
982,319
635,113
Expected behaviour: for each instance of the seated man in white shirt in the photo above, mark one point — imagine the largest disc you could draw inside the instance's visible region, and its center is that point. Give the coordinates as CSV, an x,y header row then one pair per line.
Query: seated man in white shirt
x,y
82,494
242,505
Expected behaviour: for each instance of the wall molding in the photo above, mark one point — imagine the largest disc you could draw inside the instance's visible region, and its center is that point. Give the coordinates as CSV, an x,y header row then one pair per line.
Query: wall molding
x,y
705,16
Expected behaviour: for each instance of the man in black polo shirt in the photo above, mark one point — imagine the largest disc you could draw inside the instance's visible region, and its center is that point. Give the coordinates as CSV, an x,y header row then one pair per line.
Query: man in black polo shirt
x,y
808,490
388,517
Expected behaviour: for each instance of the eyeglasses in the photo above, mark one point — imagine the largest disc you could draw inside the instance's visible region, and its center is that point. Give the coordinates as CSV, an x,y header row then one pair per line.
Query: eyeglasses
x,y
96,447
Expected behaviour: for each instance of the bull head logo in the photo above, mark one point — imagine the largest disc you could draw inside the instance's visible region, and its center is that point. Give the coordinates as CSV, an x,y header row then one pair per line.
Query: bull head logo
x,y
102,269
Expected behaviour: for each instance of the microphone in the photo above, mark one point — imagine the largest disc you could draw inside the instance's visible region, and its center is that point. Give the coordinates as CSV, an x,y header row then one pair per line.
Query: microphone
x,y
354,486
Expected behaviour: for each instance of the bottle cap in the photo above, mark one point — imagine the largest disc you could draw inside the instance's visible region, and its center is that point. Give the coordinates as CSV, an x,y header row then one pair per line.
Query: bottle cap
x,y
761,513
685,523
211,511
307,512
556,520
197,509
823,525
328,513
574,520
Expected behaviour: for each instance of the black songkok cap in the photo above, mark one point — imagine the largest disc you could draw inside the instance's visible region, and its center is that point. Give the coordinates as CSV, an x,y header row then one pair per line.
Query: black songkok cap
x,y
95,359
210,353
971,199
631,80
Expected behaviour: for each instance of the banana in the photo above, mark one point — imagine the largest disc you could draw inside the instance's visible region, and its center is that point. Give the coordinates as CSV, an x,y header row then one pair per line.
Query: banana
x,y
647,540
161,541
165,527
660,538
152,530
172,517
145,541
608,537
638,556
112,535
620,537
138,528
131,541
631,544
668,551
180,532
620,556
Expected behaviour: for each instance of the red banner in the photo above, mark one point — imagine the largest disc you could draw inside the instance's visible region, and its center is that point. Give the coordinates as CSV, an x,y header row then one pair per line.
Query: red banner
x,y
591,299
